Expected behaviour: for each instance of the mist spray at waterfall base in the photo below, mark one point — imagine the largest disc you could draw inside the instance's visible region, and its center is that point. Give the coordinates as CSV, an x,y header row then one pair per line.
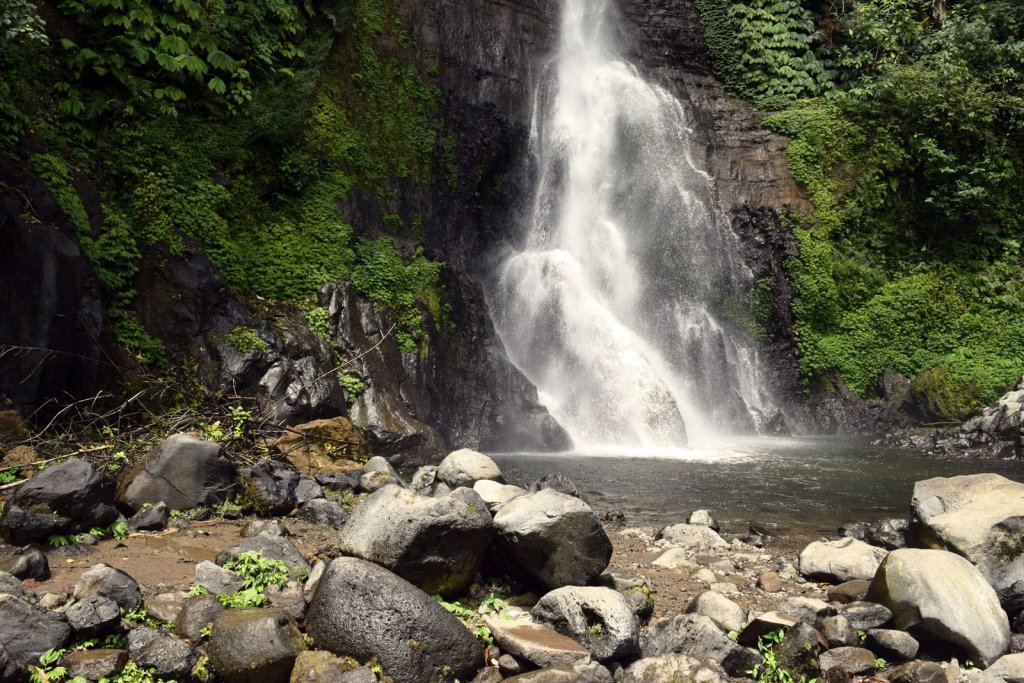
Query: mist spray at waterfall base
x,y
610,306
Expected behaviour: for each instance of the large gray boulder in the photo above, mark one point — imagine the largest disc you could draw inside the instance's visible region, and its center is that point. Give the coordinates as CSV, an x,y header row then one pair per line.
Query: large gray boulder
x,y
182,471
943,596
979,516
556,538
496,494
841,560
435,543
362,610
598,618
153,648
699,637
104,581
727,614
254,646
466,467
58,500
27,632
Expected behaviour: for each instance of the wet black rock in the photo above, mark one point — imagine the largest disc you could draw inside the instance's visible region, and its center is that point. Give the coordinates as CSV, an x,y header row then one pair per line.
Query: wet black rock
x,y
56,500
254,646
268,488
152,518
27,632
93,616
167,655
363,610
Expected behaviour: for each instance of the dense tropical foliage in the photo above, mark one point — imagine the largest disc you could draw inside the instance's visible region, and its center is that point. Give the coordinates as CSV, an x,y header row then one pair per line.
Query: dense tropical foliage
x,y
907,127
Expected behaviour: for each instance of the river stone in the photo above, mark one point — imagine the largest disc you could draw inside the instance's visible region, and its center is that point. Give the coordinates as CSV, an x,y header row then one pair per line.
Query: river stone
x,y
676,558
197,613
166,607
107,582
555,537
217,580
363,610
945,597
849,591
321,666
979,516
94,665
720,609
919,672
324,512
27,632
692,537
30,563
516,633
152,518
436,543
287,597
762,625
370,482
588,672
156,649
11,670
465,468
697,636
380,464
809,610
598,618
840,560
488,674
703,518
891,645
92,616
890,534
1009,668
182,471
268,488
865,615
838,632
674,667
769,582
556,482
854,660
272,547
496,494
254,645
55,501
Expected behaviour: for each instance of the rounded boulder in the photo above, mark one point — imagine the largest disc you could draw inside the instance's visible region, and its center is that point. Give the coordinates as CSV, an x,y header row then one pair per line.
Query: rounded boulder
x,y
362,610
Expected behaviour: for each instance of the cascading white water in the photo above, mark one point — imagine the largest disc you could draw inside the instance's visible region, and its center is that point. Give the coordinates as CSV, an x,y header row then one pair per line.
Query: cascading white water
x,y
607,307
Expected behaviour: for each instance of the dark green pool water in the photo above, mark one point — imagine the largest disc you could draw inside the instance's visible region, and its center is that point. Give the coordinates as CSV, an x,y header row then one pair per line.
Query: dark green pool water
x,y
809,486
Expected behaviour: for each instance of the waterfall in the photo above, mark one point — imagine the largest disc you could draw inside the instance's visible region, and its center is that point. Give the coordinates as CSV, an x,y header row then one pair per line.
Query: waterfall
x,y
612,305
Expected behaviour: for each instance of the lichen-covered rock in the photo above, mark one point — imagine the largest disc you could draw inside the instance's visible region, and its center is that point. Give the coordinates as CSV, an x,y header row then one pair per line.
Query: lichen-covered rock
x,y
436,543
362,610
697,636
692,537
674,667
944,597
555,537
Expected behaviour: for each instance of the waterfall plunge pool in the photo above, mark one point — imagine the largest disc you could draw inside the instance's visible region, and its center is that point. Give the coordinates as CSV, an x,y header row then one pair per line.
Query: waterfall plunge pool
x,y
809,486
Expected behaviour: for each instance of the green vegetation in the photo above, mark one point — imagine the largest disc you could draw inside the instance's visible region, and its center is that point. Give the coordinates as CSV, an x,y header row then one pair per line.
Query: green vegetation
x,y
769,670
257,573
905,119
236,130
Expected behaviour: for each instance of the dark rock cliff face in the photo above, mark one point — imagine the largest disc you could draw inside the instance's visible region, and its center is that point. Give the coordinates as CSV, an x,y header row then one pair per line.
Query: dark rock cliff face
x,y
51,316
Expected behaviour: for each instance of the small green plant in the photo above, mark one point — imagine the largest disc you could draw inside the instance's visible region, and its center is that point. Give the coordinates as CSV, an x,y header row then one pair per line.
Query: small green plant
x,y
59,540
240,419
880,663
117,461
595,629
257,573
139,615
197,590
770,670
133,673
212,431
246,340
200,671
228,507
46,670
352,384
492,602
319,321
8,475
204,632
456,608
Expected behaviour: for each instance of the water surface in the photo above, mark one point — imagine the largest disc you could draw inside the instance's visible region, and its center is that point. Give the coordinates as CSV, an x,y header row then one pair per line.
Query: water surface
x,y
809,486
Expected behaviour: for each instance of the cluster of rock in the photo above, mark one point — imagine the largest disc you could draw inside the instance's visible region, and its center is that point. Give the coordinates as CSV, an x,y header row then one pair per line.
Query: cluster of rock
x,y
996,432
895,612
